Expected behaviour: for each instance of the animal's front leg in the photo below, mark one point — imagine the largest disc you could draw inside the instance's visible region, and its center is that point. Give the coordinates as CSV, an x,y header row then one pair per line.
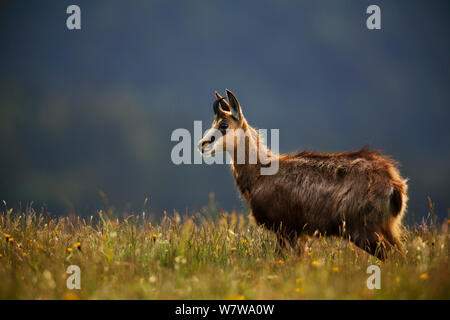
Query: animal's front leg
x,y
286,241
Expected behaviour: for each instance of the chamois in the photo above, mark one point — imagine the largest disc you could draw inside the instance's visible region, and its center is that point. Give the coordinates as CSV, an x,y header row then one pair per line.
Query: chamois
x,y
358,195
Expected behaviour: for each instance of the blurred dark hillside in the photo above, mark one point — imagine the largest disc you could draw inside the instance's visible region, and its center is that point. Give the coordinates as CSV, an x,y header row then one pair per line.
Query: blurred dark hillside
x,y
93,110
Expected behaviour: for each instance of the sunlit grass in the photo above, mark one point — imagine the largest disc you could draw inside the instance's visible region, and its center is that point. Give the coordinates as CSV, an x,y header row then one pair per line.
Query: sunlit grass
x,y
228,257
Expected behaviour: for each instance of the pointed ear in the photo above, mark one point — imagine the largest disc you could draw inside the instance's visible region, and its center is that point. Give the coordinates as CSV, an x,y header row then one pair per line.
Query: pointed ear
x,y
223,103
235,107
218,96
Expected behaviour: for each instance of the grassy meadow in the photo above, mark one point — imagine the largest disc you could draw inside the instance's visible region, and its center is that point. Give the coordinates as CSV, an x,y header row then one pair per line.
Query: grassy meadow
x,y
200,257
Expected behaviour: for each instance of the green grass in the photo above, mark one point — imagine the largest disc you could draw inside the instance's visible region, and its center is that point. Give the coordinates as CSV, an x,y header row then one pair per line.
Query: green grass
x,y
228,257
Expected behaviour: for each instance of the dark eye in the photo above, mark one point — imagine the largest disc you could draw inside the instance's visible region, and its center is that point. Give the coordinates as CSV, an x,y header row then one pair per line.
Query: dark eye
x,y
223,125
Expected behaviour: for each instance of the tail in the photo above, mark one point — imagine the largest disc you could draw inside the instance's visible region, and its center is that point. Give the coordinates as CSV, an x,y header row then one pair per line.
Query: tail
x,y
398,198
397,206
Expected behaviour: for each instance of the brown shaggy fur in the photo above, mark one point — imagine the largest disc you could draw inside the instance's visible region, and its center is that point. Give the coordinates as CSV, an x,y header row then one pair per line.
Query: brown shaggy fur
x,y
359,195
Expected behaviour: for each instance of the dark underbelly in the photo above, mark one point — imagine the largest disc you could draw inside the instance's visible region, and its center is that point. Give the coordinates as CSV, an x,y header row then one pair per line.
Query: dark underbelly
x,y
295,219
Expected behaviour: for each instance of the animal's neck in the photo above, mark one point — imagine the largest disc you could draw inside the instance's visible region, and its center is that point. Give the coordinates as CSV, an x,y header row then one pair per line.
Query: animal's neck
x,y
246,170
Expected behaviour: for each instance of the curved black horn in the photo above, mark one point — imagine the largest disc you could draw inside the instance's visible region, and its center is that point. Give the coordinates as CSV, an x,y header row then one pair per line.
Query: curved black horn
x,y
216,105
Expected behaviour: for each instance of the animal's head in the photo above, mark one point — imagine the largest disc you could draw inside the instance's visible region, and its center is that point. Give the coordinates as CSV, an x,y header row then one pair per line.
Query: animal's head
x,y
228,119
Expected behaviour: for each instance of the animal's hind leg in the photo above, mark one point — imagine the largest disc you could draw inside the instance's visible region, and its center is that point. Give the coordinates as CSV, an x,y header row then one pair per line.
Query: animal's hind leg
x,y
375,233
375,243
392,239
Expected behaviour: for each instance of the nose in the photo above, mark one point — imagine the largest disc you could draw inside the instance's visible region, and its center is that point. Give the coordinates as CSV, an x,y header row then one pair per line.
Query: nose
x,y
205,142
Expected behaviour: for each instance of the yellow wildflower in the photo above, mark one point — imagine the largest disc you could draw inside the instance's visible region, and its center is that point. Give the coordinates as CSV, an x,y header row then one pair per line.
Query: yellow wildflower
x,y
154,236
77,245
315,263
7,236
24,254
280,261
340,252
423,276
70,296
298,290
298,280
335,269
69,250
233,249
353,250
11,240
244,241
218,247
